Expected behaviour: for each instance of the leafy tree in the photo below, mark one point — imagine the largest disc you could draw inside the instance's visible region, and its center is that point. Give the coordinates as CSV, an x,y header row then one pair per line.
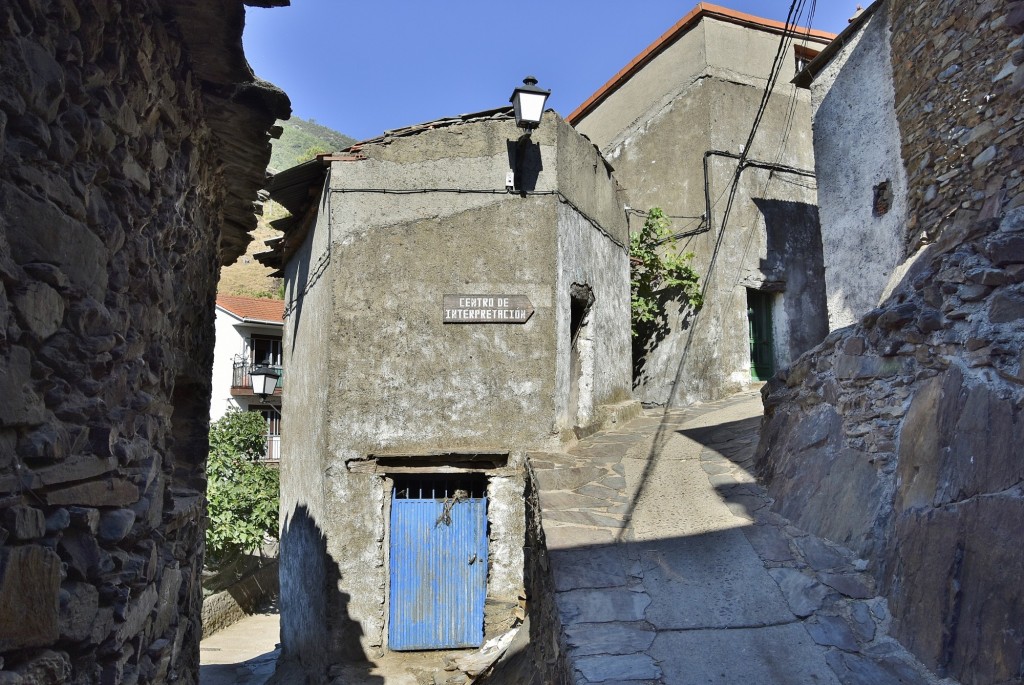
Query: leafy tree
x,y
656,264
312,151
242,492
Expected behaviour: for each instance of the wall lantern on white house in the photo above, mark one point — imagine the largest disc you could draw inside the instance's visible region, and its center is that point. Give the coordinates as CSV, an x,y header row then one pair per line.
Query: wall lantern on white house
x,y
264,381
528,101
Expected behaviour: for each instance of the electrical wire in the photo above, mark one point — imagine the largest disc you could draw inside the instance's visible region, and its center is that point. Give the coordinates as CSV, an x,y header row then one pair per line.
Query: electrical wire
x,y
488,191
795,9
791,110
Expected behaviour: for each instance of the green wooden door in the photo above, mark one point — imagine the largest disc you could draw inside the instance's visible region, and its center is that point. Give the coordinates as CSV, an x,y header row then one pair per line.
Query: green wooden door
x,y
759,319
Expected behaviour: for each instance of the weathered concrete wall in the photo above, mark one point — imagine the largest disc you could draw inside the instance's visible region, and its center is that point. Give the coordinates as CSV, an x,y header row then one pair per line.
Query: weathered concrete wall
x,y
857,148
899,436
587,257
772,233
397,382
536,655
626,110
114,194
308,575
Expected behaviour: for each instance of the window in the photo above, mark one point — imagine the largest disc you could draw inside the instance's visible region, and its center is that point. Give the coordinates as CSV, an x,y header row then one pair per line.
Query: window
x,y
264,350
803,55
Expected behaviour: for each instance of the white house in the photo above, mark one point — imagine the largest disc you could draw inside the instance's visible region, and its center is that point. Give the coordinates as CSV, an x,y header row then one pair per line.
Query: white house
x,y
248,335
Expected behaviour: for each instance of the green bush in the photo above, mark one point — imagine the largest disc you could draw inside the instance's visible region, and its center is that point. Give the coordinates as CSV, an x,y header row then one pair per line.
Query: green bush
x,y
242,492
656,264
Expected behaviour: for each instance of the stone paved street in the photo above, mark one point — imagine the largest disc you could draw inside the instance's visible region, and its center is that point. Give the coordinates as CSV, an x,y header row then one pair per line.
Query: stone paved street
x,y
244,653
670,568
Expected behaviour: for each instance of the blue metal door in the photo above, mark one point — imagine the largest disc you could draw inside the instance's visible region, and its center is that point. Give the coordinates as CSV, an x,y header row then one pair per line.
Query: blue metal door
x,y
438,567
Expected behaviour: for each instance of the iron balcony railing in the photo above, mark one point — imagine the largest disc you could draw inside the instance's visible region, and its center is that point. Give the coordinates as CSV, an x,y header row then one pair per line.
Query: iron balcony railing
x,y
240,375
273,448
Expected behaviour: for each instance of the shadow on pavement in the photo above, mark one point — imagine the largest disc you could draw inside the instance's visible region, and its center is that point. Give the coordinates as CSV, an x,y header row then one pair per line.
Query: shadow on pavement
x,y
254,671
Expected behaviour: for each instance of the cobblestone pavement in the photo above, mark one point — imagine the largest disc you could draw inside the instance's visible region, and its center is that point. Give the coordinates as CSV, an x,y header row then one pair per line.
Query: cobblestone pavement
x,y
670,568
244,653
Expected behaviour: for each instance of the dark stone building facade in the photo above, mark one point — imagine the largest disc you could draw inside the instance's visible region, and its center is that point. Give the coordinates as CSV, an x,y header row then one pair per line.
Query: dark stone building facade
x,y
133,141
899,436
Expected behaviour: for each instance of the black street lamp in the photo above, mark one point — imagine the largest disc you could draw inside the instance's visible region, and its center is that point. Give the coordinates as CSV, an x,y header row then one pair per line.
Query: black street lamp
x,y
264,381
528,102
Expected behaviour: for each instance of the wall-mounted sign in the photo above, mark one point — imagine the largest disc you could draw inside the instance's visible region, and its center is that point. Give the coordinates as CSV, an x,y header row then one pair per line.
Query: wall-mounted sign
x,y
487,309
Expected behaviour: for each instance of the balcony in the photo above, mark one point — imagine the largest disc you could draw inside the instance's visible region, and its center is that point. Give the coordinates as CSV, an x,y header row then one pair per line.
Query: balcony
x,y
241,383
273,449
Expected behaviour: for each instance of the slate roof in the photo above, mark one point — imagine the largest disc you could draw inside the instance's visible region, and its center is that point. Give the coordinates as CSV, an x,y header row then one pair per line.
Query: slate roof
x,y
252,309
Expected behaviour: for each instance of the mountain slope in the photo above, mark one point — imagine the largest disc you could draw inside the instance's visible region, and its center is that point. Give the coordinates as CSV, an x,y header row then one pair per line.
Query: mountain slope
x,y
300,139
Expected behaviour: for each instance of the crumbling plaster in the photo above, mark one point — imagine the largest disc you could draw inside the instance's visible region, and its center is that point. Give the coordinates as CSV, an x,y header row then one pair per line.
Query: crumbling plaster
x,y
857,147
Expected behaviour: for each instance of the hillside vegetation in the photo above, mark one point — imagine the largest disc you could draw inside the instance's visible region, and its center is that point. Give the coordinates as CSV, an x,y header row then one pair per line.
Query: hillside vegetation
x,y
303,139
300,141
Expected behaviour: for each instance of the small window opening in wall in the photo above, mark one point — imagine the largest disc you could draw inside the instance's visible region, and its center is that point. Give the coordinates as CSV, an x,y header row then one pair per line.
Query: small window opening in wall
x,y
882,199
581,353
803,56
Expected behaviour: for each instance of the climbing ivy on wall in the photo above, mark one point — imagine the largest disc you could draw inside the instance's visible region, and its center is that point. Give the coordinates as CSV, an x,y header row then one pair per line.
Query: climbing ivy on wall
x,y
242,492
656,264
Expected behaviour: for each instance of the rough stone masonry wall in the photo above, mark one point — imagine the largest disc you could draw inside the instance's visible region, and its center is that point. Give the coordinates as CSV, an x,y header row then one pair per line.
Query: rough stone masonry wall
x,y
900,436
959,85
112,200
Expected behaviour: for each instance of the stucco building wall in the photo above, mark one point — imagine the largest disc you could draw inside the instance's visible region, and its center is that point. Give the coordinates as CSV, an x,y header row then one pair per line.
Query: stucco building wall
x,y
771,240
119,201
395,385
857,149
307,575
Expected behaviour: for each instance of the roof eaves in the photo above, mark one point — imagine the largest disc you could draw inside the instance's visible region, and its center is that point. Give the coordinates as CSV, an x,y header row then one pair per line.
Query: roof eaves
x,y
230,313
816,65
681,27
267,322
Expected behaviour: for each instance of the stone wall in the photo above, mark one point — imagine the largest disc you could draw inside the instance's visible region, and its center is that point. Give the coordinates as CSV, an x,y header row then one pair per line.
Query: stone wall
x,y
899,436
958,81
114,196
238,589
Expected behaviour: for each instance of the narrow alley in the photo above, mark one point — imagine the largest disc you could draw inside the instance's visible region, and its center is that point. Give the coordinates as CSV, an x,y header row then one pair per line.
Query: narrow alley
x,y
668,568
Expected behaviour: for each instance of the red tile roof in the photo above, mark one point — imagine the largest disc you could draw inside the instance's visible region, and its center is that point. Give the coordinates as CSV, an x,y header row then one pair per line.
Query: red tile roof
x,y
253,308
703,9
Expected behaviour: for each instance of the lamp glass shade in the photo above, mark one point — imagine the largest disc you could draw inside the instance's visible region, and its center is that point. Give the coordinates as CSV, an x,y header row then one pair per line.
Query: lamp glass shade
x,y
528,102
264,380
529,108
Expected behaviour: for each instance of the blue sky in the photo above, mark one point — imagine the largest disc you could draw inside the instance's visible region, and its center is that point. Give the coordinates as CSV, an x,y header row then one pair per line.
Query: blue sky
x,y
363,67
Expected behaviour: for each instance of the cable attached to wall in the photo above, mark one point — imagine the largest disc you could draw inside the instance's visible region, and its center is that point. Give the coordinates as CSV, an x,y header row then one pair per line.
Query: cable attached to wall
x,y
488,191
